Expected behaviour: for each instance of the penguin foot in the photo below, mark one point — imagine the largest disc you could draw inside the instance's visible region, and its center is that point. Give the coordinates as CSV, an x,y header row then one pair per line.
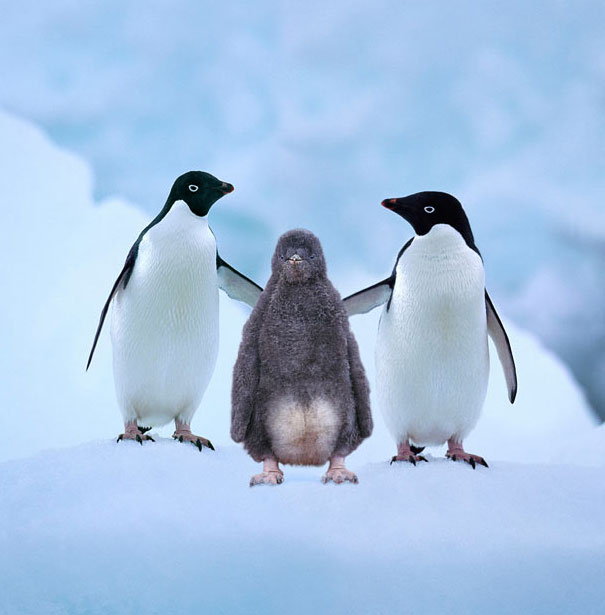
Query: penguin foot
x,y
136,436
339,476
187,436
409,457
269,477
459,454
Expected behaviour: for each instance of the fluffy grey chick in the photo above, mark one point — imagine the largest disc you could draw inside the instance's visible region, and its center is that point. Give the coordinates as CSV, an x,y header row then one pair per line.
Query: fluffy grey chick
x,y
300,395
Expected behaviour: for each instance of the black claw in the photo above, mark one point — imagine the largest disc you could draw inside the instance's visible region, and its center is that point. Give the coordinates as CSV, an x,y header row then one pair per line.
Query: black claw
x,y
150,438
483,462
393,460
180,438
472,462
139,439
423,459
453,457
198,443
209,445
120,437
412,460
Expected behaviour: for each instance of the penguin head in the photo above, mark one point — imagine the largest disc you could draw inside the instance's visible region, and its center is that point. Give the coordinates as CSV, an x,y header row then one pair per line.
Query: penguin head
x,y
298,257
199,190
424,210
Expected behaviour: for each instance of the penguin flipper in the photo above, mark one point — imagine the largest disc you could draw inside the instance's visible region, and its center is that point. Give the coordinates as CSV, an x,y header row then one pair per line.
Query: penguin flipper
x,y
246,374
361,389
367,299
123,277
496,331
236,284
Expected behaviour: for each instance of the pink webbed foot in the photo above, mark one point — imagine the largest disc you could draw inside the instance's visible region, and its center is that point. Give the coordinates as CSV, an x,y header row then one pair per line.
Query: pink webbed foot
x,y
187,436
183,433
339,476
271,474
133,432
271,477
455,452
337,473
408,453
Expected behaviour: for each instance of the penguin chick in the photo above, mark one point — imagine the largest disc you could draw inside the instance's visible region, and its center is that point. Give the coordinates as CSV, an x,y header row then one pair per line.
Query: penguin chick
x,y
164,322
300,395
432,359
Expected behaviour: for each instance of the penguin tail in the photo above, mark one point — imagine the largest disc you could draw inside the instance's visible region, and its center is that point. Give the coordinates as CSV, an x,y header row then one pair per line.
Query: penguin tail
x,y
143,429
415,449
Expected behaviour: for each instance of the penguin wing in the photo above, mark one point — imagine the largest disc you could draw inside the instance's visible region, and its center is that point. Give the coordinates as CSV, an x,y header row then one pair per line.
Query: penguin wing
x,y
361,388
236,284
246,373
367,299
123,277
496,331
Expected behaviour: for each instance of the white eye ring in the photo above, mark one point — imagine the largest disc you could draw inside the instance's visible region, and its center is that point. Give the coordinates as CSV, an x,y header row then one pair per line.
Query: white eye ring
x,y
193,188
429,209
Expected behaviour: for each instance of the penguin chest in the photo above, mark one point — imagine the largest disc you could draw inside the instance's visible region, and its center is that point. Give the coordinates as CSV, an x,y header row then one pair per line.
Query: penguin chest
x,y
165,322
303,433
432,357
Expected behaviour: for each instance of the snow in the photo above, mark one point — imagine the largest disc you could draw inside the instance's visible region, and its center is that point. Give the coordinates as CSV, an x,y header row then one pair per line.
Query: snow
x,y
93,526
120,528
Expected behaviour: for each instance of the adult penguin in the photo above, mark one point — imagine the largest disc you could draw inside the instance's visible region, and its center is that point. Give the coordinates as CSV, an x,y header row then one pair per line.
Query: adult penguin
x,y
432,358
300,395
164,324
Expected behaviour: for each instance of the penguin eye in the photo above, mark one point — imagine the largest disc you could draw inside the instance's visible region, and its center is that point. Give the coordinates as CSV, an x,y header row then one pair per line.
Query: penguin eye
x,y
429,209
193,188
312,256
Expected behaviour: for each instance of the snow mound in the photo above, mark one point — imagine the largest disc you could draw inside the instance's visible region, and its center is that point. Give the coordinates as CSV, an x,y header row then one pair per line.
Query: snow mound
x,y
162,528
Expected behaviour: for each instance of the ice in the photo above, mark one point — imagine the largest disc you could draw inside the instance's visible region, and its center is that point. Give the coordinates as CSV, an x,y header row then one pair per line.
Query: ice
x,y
108,528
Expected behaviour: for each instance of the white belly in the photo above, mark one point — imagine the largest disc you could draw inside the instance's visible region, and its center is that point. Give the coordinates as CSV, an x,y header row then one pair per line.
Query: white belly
x,y
432,361
303,434
164,326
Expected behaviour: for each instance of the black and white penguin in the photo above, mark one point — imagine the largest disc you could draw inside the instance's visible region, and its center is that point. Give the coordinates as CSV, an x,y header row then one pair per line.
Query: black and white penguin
x,y
300,395
432,358
165,310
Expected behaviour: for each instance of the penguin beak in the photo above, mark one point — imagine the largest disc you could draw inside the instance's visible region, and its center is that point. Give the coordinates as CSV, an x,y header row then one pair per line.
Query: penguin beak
x,y
226,188
389,203
295,258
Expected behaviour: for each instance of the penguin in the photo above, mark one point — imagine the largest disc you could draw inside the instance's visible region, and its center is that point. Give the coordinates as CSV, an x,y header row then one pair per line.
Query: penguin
x,y
300,395
432,357
165,311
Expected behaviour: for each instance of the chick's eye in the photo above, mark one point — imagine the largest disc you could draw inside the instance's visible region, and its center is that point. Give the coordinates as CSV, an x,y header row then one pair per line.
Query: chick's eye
x,y
429,209
193,188
312,256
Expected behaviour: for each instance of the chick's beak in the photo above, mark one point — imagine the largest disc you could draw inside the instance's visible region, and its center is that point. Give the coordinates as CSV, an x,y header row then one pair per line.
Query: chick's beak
x,y
295,258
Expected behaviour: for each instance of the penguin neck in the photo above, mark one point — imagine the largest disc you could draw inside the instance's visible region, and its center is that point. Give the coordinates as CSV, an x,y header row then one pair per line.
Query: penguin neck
x,y
441,239
179,220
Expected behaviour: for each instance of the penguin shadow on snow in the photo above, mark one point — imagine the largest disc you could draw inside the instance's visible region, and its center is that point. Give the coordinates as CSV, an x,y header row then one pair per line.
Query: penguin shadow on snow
x,y
300,395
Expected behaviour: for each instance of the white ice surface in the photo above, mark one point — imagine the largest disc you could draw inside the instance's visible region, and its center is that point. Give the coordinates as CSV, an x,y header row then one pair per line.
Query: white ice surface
x,y
107,528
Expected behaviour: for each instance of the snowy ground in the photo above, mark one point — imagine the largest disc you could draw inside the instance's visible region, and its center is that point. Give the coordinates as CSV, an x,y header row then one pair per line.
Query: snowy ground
x,y
119,528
